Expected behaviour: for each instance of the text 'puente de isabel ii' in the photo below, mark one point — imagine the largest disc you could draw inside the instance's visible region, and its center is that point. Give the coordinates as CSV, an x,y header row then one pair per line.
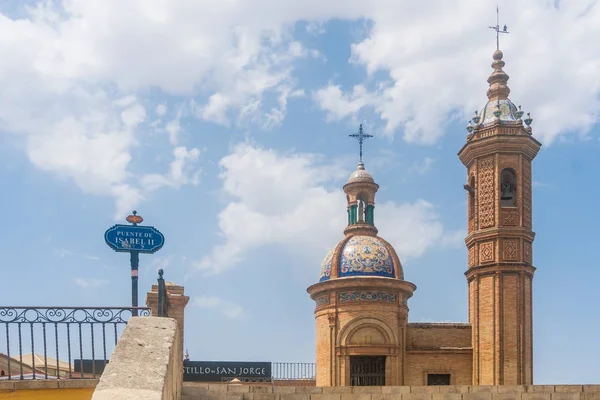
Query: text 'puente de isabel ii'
x,y
363,334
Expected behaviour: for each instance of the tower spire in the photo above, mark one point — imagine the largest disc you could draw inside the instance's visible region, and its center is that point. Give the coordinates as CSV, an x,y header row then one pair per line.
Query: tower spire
x,y
498,80
497,28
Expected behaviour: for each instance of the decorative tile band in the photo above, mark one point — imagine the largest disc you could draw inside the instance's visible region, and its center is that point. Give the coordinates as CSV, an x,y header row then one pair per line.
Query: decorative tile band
x,y
321,301
386,297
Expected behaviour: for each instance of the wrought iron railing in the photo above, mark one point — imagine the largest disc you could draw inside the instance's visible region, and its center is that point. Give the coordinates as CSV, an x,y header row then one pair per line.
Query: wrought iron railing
x,y
37,340
293,371
163,298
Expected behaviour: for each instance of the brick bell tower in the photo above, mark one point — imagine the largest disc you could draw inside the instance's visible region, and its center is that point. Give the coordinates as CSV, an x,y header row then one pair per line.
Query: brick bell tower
x,y
498,156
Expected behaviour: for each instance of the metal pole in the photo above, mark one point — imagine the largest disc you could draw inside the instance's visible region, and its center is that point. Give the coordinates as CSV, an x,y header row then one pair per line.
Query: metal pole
x,y
135,262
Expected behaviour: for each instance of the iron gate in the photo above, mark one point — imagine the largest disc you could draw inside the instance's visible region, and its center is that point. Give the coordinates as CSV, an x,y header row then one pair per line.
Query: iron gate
x,y
367,370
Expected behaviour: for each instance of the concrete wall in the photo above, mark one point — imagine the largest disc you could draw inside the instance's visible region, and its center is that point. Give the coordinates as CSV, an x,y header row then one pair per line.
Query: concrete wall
x,y
146,363
76,389
195,391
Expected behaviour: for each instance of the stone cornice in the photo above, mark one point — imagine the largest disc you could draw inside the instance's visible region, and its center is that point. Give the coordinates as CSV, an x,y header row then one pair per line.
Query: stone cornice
x,y
499,268
499,143
360,186
361,283
499,232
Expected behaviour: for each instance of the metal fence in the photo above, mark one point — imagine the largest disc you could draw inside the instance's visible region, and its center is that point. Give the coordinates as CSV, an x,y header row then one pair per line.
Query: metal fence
x,y
293,371
37,340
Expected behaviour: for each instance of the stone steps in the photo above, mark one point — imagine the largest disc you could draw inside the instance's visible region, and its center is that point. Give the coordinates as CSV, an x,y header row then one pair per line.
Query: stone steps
x,y
192,391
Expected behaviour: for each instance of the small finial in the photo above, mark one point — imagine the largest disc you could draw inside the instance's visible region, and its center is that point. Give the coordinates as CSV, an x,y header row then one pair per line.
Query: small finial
x,y
470,127
497,112
519,113
528,120
476,118
134,219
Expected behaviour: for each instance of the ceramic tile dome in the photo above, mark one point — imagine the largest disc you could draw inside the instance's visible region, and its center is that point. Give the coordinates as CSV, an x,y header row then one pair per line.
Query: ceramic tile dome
x,y
508,112
366,255
326,266
362,256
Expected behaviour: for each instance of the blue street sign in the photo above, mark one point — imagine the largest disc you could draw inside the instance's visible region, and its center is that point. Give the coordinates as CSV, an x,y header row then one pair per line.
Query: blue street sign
x,y
127,238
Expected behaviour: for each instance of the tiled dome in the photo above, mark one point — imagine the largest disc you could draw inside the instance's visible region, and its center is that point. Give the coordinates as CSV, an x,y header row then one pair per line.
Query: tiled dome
x,y
362,256
326,266
508,112
366,255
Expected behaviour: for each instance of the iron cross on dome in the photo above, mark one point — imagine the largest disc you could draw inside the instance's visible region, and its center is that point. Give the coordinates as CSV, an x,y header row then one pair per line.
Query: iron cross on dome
x,y
360,136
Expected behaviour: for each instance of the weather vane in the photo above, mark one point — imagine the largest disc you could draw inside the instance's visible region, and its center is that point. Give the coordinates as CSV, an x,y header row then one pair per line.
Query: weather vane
x,y
497,28
361,136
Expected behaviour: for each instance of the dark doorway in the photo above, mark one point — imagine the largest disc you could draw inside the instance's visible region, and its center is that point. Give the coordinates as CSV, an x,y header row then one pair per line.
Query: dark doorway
x,y
367,370
438,379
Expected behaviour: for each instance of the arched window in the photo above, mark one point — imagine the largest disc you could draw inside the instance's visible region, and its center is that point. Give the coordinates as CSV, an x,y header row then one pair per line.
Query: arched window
x,y
2,373
361,210
508,188
362,207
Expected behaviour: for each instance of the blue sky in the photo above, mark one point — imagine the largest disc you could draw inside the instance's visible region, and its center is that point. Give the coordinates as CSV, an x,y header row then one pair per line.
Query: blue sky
x,y
226,128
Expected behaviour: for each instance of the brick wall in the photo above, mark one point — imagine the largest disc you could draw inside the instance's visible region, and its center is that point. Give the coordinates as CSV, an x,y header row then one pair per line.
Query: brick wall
x,y
436,335
438,348
458,365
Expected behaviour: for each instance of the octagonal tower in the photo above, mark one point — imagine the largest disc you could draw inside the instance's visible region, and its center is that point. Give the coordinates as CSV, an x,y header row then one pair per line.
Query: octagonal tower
x,y
498,155
361,300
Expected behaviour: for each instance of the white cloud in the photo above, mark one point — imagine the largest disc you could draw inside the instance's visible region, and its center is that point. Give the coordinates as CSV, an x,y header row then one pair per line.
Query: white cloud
x,y
455,239
284,199
340,105
182,171
227,308
438,63
161,110
76,76
90,283
71,85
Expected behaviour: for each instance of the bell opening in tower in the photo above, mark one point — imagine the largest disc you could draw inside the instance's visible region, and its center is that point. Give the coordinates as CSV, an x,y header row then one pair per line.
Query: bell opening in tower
x,y
367,370
508,187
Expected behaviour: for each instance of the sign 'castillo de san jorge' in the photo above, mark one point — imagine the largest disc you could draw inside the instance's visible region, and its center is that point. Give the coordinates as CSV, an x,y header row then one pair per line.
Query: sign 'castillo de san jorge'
x,y
218,371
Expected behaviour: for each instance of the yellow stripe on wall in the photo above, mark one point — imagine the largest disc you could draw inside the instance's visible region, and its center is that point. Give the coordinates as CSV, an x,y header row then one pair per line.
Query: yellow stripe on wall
x,y
48,394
